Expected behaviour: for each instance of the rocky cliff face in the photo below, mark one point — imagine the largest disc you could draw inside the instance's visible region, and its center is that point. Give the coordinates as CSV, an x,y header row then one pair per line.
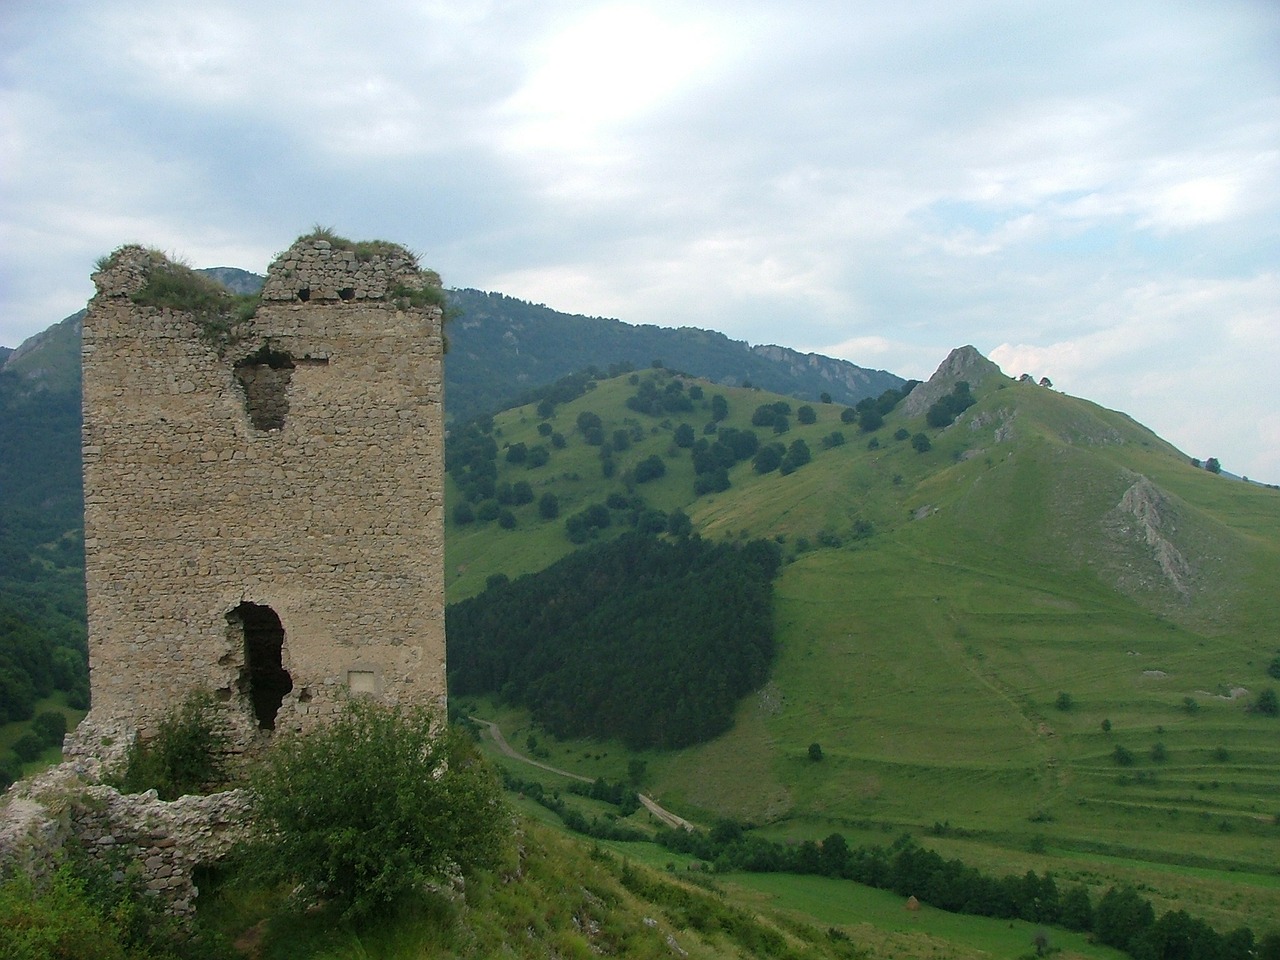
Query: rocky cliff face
x,y
50,360
839,373
963,363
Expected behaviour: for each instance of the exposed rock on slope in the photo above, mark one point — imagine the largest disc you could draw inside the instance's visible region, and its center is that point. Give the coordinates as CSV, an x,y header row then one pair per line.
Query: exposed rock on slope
x,y
1146,515
841,374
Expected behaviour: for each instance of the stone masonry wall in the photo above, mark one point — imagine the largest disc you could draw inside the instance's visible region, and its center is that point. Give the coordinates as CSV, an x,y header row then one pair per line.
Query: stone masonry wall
x,y
264,520
156,842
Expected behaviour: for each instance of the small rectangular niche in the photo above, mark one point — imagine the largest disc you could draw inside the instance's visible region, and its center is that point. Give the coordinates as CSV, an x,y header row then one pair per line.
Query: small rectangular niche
x,y
362,681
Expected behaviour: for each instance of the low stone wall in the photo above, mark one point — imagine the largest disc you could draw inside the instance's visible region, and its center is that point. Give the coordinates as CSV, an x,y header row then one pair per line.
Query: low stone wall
x,y
159,842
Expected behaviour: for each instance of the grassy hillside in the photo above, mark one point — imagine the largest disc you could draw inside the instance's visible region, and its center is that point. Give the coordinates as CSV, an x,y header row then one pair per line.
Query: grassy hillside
x,y
956,627
578,899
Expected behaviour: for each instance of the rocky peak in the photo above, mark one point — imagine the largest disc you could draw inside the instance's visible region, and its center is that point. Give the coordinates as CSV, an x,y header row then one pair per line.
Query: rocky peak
x,y
962,363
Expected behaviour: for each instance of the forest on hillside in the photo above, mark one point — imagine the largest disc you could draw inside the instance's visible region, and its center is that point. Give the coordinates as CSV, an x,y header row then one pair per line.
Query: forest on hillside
x,y
42,633
647,640
500,347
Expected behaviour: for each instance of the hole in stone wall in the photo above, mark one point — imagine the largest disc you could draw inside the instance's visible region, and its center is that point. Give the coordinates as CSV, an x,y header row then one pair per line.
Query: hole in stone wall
x,y
265,376
304,294
263,679
347,293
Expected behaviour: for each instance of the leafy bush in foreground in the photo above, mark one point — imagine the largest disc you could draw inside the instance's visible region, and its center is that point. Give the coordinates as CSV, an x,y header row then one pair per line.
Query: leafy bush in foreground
x,y
374,806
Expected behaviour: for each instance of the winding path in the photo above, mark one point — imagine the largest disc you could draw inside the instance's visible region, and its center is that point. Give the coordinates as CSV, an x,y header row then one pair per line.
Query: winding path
x,y
666,816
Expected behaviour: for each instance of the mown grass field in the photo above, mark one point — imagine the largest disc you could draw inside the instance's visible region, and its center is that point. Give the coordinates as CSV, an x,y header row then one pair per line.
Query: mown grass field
x,y
929,659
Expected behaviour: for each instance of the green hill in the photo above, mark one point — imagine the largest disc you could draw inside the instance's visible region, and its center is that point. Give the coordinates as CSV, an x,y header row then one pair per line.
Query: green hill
x,y
956,628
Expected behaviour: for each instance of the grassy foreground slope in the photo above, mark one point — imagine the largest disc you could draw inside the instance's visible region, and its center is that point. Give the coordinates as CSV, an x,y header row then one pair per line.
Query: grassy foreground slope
x,y
1035,643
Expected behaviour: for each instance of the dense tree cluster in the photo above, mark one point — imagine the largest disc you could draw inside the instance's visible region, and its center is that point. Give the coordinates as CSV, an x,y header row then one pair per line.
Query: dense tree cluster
x,y
648,399
42,612
649,641
772,415
784,459
712,458
869,412
607,827
1120,918
943,412
471,459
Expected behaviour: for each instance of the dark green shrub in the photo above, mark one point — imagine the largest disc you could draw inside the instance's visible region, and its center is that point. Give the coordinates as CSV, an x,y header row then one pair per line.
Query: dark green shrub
x,y
549,506
57,922
1267,704
50,726
10,769
28,747
186,755
374,806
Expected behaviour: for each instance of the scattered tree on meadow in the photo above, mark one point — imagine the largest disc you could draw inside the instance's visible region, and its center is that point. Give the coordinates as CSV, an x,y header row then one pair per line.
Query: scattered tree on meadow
x,y
1267,703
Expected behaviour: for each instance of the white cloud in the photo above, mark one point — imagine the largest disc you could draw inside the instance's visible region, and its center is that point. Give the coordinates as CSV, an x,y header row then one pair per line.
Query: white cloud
x,y
1093,189
1207,395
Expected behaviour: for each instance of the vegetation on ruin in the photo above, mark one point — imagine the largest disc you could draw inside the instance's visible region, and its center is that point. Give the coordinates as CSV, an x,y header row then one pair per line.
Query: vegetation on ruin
x,y
428,295
186,755
372,808
217,312
85,911
364,249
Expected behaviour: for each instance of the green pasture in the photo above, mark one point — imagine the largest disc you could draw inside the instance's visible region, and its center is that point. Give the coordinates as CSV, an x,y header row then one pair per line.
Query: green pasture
x,y
879,921
11,732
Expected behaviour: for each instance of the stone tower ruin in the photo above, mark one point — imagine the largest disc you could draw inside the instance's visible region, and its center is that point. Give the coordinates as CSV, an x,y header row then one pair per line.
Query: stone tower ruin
x,y
263,494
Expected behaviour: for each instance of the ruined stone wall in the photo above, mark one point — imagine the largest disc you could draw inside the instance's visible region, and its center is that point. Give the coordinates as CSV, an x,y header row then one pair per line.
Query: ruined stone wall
x,y
263,509
157,843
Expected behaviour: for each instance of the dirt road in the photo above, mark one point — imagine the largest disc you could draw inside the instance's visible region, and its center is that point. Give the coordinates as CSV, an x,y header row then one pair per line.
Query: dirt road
x,y
666,816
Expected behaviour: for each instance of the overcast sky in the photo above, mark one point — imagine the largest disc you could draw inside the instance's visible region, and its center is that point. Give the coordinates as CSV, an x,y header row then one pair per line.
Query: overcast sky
x,y
1088,191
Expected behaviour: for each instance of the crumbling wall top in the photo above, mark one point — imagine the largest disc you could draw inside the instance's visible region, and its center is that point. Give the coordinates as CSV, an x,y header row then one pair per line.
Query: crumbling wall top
x,y
325,267
127,271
